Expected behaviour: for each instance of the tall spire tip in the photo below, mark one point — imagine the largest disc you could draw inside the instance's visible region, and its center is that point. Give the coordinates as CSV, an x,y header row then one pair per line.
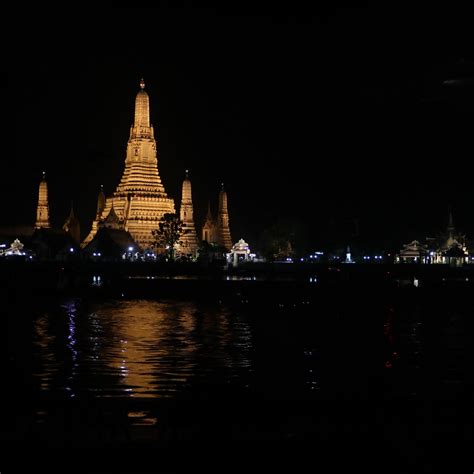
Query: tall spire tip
x,y
142,83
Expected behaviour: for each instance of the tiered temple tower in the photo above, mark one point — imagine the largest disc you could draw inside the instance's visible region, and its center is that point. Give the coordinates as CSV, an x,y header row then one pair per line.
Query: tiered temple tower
x,y
140,199
189,238
42,211
223,231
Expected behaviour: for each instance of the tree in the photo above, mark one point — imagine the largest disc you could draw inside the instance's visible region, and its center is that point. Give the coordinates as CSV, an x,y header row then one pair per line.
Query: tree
x,y
211,252
282,239
168,235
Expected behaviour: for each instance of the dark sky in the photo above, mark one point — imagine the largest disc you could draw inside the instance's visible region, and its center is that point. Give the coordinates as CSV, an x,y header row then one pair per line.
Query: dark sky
x,y
320,115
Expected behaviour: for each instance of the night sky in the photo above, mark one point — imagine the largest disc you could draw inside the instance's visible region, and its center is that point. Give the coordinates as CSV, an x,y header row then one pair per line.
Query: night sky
x,y
323,116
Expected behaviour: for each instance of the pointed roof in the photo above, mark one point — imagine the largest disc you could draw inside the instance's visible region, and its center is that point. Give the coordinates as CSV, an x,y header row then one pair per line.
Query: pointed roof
x,y
450,232
142,107
186,194
241,246
413,249
111,242
72,217
43,181
101,200
71,213
112,220
450,222
42,210
72,225
222,201
112,215
209,213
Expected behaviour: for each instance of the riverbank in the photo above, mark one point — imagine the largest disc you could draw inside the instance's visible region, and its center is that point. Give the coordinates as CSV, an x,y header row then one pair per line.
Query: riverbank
x,y
53,277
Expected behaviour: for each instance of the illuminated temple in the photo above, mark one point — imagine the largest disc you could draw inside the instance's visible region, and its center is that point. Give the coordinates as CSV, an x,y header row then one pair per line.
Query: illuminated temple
x,y
189,242
140,199
218,231
42,210
223,230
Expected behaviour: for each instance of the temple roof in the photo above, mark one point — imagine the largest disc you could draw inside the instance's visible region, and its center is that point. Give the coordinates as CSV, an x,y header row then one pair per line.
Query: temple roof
x,y
223,200
101,200
142,107
72,219
186,191
111,242
454,251
112,220
241,246
413,249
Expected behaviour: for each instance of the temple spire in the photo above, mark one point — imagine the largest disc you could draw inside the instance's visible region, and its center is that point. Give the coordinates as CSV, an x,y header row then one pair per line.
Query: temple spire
x,y
142,112
140,199
71,212
100,202
188,239
209,229
223,231
42,211
450,229
72,226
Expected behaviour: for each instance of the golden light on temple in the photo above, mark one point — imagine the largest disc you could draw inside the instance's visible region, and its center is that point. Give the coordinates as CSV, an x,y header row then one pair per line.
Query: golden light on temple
x,y
223,230
189,242
42,210
140,199
218,231
72,226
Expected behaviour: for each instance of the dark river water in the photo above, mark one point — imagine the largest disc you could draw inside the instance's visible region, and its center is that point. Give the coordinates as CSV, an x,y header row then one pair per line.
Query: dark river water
x,y
303,345
138,348
302,361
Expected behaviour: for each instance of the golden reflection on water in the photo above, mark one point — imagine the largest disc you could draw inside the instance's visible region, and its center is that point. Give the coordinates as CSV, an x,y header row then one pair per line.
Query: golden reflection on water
x,y
139,347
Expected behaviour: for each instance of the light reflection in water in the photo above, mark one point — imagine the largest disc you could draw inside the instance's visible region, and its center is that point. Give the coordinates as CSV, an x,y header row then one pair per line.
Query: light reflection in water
x,y
97,280
71,310
140,348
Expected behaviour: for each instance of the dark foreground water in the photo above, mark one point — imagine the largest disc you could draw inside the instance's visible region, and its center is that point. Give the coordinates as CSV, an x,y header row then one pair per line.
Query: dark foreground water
x,y
82,347
389,363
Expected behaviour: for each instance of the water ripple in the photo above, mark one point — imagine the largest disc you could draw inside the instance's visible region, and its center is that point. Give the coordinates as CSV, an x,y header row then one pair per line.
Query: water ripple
x,y
138,348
